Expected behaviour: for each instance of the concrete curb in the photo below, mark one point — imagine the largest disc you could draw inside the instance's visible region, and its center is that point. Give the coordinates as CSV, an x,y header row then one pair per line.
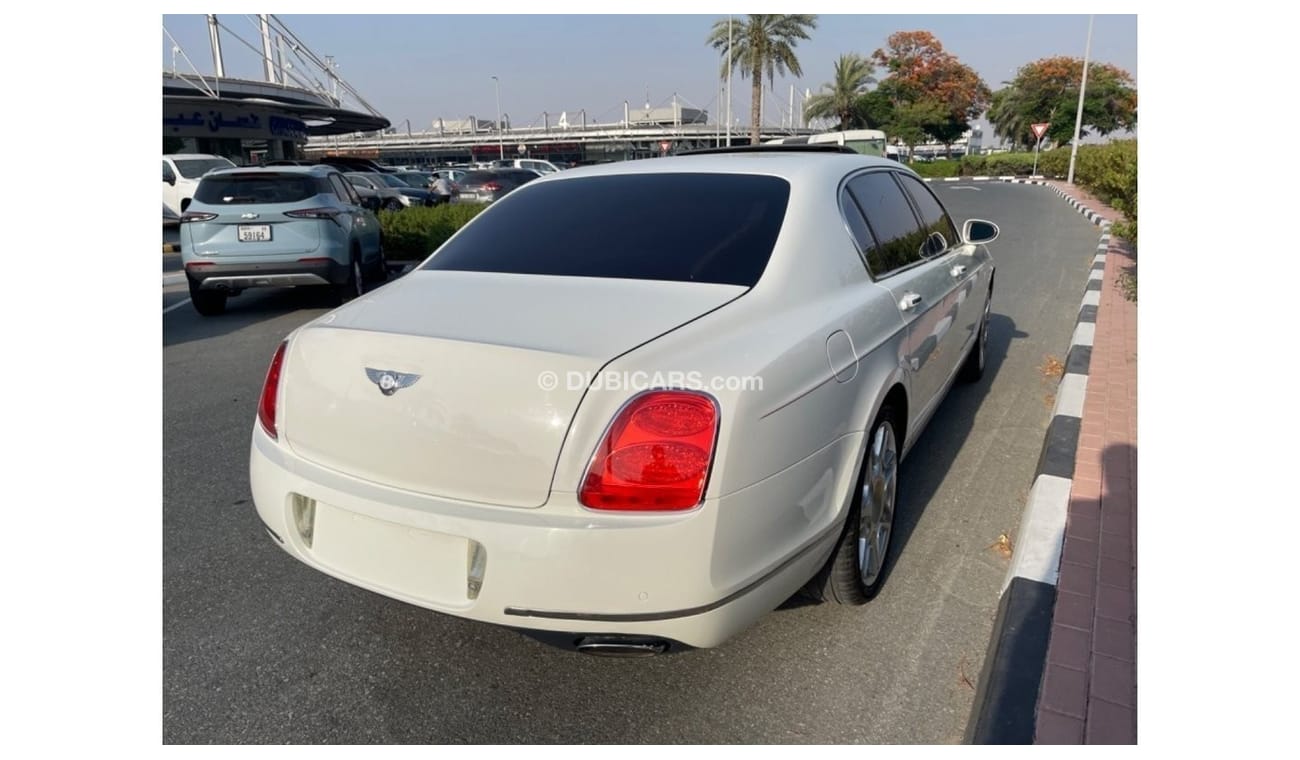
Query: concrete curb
x,y
1004,711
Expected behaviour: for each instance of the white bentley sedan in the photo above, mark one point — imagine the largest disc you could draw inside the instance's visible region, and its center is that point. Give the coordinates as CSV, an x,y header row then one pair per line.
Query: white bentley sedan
x,y
633,407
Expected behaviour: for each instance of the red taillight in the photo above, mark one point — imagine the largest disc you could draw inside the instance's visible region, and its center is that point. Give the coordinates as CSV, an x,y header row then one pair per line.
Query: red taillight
x,y
313,213
491,186
271,389
197,216
197,264
655,455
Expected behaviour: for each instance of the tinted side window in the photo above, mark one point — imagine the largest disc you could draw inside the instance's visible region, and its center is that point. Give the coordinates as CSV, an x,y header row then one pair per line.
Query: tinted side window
x,y
899,239
936,222
718,228
857,227
340,188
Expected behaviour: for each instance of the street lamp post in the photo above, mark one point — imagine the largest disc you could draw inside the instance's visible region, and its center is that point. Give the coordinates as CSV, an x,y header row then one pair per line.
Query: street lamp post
x,y
1078,116
501,142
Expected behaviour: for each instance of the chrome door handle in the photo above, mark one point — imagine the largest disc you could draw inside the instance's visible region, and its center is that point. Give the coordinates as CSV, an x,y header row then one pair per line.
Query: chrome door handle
x,y
909,301
958,270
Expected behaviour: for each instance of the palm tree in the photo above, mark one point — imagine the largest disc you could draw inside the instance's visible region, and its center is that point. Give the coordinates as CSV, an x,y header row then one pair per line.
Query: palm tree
x,y
762,44
840,99
1007,116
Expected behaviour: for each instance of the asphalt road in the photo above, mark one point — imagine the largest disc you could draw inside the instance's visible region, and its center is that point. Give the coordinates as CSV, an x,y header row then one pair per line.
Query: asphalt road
x,y
259,648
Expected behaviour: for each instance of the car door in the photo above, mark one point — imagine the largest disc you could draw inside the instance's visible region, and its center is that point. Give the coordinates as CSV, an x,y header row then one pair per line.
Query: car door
x,y
358,216
965,303
920,286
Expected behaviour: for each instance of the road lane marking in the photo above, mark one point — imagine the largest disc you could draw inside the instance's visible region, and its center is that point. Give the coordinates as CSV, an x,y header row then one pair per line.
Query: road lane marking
x,y
176,306
964,187
173,278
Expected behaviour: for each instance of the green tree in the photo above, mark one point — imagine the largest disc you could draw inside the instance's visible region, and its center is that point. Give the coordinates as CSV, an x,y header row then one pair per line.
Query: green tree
x,y
839,97
874,110
926,81
759,44
911,123
1009,120
1047,91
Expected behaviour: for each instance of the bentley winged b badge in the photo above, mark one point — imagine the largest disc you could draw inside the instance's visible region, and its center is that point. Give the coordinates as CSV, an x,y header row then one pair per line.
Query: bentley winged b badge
x,y
390,382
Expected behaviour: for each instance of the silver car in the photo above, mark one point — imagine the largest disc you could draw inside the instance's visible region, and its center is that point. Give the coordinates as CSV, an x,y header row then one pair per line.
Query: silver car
x,y
647,429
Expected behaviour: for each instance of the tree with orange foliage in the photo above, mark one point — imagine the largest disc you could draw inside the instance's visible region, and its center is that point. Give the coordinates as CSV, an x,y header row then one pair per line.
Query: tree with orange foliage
x,y
924,79
1047,90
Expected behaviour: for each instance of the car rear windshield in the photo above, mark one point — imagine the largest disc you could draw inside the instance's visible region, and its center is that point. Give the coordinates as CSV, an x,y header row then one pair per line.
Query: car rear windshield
x,y
234,189
192,168
717,228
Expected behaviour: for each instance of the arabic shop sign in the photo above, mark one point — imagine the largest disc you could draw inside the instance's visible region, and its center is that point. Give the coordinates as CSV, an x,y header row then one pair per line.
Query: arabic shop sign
x,y
225,123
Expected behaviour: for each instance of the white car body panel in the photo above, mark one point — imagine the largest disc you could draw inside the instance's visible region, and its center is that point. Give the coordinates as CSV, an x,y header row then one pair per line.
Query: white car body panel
x,y
828,343
476,426
184,187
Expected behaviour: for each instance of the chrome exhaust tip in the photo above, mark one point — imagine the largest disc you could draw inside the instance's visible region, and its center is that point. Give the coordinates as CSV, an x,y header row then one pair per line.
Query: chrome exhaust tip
x,y
620,646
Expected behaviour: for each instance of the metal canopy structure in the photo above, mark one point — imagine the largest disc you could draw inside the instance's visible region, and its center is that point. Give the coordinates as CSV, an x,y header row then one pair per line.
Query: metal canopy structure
x,y
321,116
299,85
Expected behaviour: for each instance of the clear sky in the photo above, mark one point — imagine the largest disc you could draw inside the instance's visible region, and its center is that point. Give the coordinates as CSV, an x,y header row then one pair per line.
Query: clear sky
x,y
424,67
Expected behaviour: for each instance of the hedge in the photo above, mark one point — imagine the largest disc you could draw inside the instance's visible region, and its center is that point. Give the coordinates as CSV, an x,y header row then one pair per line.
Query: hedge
x,y
415,232
936,168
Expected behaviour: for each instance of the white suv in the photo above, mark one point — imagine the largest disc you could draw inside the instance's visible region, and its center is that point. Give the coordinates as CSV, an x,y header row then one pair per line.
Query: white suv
x,y
181,173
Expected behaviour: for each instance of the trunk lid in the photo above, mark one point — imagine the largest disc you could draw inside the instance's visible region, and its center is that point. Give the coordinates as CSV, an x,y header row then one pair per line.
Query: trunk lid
x,y
483,422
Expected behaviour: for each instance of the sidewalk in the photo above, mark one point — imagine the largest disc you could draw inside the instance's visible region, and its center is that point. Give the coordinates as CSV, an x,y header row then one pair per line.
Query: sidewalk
x,y
1089,688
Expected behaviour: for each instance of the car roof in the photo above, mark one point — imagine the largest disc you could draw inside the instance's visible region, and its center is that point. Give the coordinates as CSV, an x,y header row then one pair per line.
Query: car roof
x,y
314,170
795,167
192,155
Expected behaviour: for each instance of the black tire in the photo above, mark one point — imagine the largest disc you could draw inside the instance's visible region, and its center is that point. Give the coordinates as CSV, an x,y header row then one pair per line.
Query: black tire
x,y
973,369
354,286
841,580
208,303
392,204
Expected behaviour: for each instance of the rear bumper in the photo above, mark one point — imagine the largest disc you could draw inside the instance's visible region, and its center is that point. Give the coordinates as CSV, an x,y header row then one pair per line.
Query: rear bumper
x,y
269,274
557,569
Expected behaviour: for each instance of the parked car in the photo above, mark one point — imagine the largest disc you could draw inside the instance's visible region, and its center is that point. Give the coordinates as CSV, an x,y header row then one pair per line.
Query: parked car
x,y
389,197
181,173
561,432
536,164
452,175
352,164
276,226
494,184
411,195
416,178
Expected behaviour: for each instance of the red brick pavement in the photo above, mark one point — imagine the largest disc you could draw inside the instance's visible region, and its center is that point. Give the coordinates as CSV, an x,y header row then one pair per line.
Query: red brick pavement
x,y
1089,689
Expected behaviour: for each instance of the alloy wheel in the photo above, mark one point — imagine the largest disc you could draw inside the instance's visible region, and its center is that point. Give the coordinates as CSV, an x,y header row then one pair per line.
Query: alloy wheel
x,y
876,510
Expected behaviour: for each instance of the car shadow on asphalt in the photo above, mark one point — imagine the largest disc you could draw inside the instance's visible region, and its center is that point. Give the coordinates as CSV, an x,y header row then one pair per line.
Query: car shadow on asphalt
x,y
933,454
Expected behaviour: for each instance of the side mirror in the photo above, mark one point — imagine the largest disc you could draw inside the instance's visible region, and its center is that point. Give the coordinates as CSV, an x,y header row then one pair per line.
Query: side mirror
x,y
169,179
978,231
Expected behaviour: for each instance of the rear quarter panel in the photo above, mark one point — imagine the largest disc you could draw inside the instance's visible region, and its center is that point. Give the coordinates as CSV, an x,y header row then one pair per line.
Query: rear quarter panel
x,y
788,445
